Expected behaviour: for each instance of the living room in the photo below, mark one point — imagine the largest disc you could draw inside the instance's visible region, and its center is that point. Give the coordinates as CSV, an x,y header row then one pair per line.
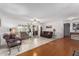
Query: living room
x,y
36,24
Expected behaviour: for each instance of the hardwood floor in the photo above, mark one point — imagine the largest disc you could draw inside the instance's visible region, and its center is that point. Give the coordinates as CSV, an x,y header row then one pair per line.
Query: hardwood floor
x,y
60,47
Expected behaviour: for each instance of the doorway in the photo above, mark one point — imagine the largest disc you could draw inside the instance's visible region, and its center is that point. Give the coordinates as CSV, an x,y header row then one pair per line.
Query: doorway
x,y
66,29
35,30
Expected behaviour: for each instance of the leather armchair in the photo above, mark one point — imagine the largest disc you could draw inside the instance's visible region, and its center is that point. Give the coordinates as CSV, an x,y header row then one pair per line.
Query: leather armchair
x,y
12,41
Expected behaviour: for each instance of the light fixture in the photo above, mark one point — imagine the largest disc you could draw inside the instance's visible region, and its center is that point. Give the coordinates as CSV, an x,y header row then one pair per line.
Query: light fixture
x,y
35,21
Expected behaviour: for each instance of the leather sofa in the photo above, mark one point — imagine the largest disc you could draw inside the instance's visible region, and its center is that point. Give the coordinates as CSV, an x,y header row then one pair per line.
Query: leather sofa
x,y
24,35
47,34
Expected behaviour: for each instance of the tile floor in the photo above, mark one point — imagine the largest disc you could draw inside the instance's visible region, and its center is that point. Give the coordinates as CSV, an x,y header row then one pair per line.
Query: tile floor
x,y
26,45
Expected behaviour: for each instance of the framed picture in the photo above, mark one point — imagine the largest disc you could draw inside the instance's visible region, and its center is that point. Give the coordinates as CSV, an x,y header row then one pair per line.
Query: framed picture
x,y
50,26
75,26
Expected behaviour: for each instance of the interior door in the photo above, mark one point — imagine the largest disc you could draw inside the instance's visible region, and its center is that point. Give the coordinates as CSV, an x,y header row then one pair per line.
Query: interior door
x,y
66,29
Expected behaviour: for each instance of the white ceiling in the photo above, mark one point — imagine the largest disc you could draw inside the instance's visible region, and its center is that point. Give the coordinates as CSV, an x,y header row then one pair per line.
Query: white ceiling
x,y
42,11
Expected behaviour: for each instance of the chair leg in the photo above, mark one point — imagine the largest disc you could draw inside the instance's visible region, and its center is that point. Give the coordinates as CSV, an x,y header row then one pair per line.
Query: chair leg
x,y
18,47
9,51
74,53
